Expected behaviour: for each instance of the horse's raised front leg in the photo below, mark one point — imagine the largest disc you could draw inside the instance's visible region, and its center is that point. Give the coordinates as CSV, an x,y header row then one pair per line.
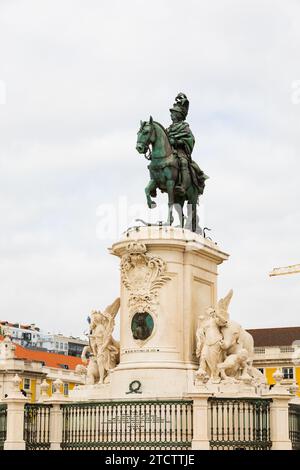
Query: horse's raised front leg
x,y
151,187
170,190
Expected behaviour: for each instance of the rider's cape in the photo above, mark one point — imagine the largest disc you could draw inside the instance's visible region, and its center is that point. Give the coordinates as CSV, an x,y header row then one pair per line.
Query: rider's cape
x,y
198,176
182,134
185,139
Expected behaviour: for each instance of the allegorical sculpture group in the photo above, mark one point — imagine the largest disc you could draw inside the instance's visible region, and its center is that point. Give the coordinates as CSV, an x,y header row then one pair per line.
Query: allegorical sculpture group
x,y
171,167
103,352
225,350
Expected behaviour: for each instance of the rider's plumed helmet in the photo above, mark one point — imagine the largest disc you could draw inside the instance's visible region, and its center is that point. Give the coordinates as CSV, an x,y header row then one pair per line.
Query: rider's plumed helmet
x,y
181,105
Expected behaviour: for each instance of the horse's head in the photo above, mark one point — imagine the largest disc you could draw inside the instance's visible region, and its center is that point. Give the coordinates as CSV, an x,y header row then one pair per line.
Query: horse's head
x,y
146,136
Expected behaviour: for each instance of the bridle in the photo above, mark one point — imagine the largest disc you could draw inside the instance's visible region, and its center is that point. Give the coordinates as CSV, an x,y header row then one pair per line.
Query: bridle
x,y
148,155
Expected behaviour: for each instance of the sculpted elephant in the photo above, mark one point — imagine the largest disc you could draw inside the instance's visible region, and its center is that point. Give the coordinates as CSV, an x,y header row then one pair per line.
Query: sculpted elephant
x,y
236,338
235,341
224,348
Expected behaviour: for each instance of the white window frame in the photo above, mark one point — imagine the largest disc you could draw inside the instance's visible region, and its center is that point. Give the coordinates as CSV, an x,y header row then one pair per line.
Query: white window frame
x,y
289,368
24,382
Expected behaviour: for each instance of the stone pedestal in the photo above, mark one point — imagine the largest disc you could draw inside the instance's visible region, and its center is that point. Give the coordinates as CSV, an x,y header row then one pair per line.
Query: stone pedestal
x,y
56,415
171,274
15,402
56,420
279,417
91,392
227,390
15,423
200,420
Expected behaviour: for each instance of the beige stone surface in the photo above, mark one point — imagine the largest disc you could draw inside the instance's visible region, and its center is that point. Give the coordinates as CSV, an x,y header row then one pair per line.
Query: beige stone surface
x,y
15,402
201,432
91,392
170,273
162,362
279,422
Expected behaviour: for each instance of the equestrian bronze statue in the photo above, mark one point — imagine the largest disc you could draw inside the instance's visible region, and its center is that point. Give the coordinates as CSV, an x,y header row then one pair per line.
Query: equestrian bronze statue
x,y
171,167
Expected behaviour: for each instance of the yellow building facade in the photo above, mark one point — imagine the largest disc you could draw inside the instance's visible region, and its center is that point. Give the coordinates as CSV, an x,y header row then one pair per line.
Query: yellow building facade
x,y
278,348
33,367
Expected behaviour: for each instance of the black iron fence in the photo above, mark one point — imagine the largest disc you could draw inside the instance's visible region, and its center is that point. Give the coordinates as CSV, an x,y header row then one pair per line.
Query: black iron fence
x,y
3,422
128,425
294,425
37,426
239,424
234,424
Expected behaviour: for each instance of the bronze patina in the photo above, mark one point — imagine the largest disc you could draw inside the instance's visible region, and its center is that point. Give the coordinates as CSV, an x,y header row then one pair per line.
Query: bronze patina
x,y
172,169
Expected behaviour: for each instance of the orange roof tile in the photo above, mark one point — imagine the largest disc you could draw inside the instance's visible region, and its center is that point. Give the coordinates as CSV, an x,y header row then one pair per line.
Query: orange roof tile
x,y
50,359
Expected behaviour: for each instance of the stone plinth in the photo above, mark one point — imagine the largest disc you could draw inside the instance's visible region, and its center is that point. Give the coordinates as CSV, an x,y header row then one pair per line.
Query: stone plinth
x,y
171,274
91,392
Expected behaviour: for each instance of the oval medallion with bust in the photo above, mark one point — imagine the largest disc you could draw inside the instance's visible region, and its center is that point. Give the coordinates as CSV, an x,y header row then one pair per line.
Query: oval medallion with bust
x,y
142,325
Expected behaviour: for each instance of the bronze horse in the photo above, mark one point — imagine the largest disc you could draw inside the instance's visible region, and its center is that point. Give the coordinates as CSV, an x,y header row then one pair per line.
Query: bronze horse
x,y
165,173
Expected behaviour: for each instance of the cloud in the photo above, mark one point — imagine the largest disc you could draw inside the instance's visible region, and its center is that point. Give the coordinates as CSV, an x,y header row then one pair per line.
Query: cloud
x,y
79,77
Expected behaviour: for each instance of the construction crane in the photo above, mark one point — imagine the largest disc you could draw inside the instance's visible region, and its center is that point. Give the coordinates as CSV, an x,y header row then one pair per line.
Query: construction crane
x,y
294,269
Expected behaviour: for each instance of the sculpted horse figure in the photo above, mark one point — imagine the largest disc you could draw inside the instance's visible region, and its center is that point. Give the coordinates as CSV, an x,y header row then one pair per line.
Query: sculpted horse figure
x,y
165,173
225,350
235,338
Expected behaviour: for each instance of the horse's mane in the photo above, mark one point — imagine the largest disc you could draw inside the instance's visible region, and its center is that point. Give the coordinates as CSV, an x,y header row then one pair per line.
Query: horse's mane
x,y
162,127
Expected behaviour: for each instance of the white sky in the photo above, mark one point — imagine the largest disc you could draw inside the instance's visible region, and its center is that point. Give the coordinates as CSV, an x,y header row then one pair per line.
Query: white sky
x,y
79,76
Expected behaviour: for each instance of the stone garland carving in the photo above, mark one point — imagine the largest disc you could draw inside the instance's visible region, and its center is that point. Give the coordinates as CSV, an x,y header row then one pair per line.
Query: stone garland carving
x,y
103,349
143,275
225,350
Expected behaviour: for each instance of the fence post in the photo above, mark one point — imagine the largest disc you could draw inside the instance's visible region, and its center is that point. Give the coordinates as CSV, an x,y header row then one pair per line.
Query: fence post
x,y
56,426
56,415
200,420
279,422
15,417
279,414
